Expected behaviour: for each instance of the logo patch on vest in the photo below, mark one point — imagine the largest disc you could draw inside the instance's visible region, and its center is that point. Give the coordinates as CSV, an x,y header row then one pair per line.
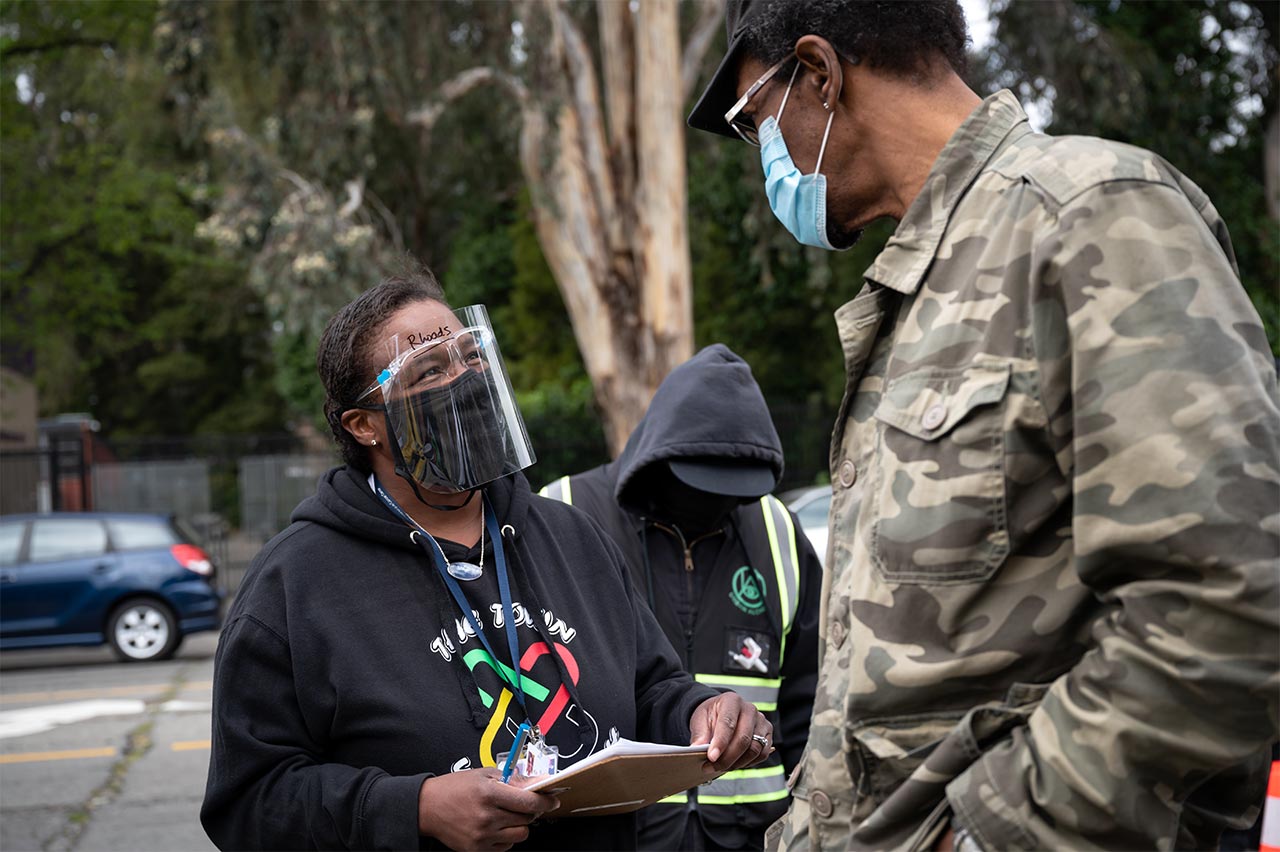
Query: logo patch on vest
x,y
747,590
747,651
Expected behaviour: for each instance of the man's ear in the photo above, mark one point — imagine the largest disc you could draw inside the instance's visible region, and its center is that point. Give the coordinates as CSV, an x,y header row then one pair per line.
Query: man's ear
x,y
362,425
818,57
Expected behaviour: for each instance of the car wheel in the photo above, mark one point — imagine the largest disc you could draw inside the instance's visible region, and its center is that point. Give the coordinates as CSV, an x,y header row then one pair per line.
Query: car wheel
x,y
142,629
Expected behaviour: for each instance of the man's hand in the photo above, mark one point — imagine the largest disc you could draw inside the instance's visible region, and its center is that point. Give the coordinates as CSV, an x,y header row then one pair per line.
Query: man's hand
x,y
475,810
731,725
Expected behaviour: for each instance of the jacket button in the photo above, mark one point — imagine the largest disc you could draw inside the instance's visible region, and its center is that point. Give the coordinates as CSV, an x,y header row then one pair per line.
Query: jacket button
x,y
821,804
934,416
836,632
848,473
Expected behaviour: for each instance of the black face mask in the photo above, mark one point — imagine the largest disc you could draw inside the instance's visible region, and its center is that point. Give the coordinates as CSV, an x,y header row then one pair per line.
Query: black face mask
x,y
462,445
693,511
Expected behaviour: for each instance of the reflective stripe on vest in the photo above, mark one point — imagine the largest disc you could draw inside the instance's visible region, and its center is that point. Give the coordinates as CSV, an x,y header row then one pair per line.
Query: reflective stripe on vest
x,y
763,692
559,490
742,786
760,691
767,784
786,562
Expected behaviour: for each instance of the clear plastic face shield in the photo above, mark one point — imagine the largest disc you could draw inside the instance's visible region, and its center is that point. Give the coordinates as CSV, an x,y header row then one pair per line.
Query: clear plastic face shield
x,y
450,410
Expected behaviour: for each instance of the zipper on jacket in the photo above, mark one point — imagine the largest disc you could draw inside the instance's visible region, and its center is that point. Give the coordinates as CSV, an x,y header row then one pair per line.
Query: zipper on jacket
x,y
687,547
692,795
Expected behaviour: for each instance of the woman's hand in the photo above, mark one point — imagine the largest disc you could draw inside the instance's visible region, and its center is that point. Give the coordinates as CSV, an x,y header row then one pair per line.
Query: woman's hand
x,y
473,809
739,734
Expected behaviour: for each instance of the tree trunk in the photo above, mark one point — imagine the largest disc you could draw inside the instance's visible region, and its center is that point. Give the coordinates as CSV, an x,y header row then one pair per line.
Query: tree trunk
x,y
609,192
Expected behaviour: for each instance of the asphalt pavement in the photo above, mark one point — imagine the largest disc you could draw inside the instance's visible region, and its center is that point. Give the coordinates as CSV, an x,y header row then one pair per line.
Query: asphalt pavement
x,y
101,755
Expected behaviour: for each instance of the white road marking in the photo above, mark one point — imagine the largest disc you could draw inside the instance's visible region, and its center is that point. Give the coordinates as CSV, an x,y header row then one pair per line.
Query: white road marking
x,y
36,720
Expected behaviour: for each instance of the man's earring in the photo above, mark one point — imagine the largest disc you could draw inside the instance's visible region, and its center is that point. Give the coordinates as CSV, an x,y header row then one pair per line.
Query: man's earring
x,y
374,442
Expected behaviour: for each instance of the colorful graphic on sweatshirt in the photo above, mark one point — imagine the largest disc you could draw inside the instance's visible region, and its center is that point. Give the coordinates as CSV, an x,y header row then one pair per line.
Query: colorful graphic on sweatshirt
x,y
548,699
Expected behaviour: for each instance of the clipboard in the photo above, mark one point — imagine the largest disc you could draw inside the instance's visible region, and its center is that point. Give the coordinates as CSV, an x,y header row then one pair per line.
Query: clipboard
x,y
625,777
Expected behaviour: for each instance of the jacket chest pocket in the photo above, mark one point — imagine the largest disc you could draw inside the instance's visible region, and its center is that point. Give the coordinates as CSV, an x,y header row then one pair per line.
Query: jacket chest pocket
x,y
939,493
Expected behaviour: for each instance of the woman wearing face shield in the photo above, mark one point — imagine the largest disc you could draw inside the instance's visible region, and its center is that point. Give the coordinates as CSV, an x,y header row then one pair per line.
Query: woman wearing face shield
x,y
383,651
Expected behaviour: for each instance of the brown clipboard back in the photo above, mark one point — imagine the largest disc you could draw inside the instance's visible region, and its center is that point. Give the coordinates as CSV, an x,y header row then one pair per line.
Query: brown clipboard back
x,y
625,782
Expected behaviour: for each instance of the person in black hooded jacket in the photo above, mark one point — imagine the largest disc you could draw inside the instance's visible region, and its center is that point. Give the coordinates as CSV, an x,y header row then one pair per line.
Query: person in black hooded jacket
x,y
357,703
720,562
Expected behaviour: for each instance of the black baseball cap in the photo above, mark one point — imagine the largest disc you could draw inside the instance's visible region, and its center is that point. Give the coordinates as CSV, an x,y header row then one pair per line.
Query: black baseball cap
x,y
730,477
722,92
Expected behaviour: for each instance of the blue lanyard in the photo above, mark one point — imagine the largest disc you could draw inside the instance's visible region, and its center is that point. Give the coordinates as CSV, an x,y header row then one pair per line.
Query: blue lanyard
x,y
504,586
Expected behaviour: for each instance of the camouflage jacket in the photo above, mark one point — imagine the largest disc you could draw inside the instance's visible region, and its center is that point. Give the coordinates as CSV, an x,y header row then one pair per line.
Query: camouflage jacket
x,y
1050,614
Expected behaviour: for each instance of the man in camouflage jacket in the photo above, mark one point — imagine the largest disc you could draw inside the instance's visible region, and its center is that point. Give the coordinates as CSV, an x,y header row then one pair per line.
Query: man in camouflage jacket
x,y
1050,617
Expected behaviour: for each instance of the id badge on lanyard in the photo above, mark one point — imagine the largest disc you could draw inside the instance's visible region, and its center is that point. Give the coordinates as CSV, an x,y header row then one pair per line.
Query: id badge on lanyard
x,y
530,755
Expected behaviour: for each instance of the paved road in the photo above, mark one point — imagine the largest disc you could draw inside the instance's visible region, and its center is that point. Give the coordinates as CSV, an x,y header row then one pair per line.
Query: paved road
x,y
99,755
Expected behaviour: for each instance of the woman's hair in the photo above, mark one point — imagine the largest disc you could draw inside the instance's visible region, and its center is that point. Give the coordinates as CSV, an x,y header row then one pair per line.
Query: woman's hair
x,y
901,37
347,348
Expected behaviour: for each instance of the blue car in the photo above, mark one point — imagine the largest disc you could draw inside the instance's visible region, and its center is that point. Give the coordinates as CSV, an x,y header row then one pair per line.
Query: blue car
x,y
135,582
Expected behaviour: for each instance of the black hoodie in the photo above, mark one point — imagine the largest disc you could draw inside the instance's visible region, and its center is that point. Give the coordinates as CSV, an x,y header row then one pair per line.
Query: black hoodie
x,y
711,407
346,675
708,407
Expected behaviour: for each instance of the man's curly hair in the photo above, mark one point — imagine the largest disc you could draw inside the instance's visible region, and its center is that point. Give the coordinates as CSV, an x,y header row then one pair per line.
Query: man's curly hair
x,y
904,38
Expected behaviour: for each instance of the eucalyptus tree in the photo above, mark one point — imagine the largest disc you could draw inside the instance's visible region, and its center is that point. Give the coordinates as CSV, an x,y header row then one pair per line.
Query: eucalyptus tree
x,y
351,114
110,300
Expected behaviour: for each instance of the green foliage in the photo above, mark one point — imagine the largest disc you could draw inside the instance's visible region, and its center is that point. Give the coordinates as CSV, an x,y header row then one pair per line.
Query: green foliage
x,y
496,260
108,295
564,429
325,179
296,379
1191,80
541,337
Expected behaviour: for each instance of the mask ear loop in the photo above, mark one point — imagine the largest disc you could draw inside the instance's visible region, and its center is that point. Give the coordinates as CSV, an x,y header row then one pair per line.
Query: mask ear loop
x,y
830,117
787,93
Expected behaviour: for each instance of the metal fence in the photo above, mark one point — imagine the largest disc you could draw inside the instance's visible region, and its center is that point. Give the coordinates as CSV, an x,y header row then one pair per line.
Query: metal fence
x,y
271,486
175,487
20,481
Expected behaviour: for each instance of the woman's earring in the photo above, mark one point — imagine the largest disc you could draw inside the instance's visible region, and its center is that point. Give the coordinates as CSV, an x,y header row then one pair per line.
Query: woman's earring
x,y
374,442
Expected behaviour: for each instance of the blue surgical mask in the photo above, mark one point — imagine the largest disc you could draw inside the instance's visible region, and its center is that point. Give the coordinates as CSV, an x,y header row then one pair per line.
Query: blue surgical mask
x,y
798,200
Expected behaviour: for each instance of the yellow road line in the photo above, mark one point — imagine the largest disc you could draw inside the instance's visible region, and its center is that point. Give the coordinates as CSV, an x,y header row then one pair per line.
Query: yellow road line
x,y
64,694
191,745
73,754
85,753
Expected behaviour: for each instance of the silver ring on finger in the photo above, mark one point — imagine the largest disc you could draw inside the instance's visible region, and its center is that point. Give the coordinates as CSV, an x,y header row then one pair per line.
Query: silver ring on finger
x,y
761,738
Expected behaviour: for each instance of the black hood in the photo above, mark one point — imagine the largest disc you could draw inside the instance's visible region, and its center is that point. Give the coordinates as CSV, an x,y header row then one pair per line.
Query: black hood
x,y
344,501
708,407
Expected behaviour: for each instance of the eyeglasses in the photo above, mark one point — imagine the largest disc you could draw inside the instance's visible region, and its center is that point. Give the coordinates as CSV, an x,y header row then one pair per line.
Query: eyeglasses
x,y
742,125
438,362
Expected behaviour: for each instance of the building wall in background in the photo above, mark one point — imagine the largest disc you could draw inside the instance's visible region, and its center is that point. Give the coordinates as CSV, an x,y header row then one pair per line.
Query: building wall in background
x,y
18,429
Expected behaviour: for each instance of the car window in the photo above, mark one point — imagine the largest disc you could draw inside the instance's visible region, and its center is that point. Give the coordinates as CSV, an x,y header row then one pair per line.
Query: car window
x,y
140,533
66,538
10,541
815,513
